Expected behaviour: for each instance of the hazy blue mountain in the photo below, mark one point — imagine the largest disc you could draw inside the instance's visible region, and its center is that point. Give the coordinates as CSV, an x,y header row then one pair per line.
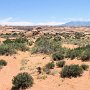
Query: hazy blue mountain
x,y
77,23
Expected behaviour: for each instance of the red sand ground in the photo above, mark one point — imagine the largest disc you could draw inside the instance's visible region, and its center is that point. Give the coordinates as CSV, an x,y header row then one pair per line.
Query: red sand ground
x,y
50,83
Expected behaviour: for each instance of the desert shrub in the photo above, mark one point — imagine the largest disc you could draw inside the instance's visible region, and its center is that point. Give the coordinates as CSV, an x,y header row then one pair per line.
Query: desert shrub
x,y
72,54
41,41
14,88
75,52
7,41
55,46
7,35
35,33
41,44
14,34
3,63
50,65
17,40
57,56
78,35
17,44
6,50
34,50
48,35
85,55
21,34
39,70
20,46
65,35
46,70
84,66
60,63
57,38
45,45
71,71
21,40
82,53
22,81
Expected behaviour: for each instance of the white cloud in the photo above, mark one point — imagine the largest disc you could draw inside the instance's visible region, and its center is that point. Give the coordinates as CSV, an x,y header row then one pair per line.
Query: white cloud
x,y
17,23
6,19
51,23
29,23
9,21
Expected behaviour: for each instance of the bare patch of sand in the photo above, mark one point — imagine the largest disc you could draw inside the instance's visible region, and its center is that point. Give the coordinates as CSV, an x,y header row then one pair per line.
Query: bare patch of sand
x,y
70,46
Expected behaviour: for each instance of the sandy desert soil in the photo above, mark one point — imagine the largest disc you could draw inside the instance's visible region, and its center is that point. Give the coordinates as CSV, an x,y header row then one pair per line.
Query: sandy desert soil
x,y
69,46
52,82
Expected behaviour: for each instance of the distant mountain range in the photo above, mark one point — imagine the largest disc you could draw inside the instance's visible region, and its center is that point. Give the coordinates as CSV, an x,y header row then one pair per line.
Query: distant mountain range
x,y
77,23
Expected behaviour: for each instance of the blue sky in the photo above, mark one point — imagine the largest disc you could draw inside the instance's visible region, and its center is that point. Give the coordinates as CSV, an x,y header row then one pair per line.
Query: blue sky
x,y
32,12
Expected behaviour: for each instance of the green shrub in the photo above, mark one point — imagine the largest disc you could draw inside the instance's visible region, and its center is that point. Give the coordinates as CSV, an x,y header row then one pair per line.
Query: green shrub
x,y
60,63
73,53
46,70
82,53
7,35
22,81
21,40
34,50
3,63
57,38
7,41
65,35
17,40
57,56
85,55
48,36
78,35
42,45
20,46
71,71
84,66
6,50
50,65
46,45
17,44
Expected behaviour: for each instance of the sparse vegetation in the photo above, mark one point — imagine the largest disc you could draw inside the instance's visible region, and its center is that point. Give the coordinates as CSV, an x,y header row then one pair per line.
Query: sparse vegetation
x,y
84,66
60,63
73,53
9,47
80,53
6,50
46,45
47,53
50,65
57,38
46,70
79,35
22,81
57,56
3,62
71,71
85,55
